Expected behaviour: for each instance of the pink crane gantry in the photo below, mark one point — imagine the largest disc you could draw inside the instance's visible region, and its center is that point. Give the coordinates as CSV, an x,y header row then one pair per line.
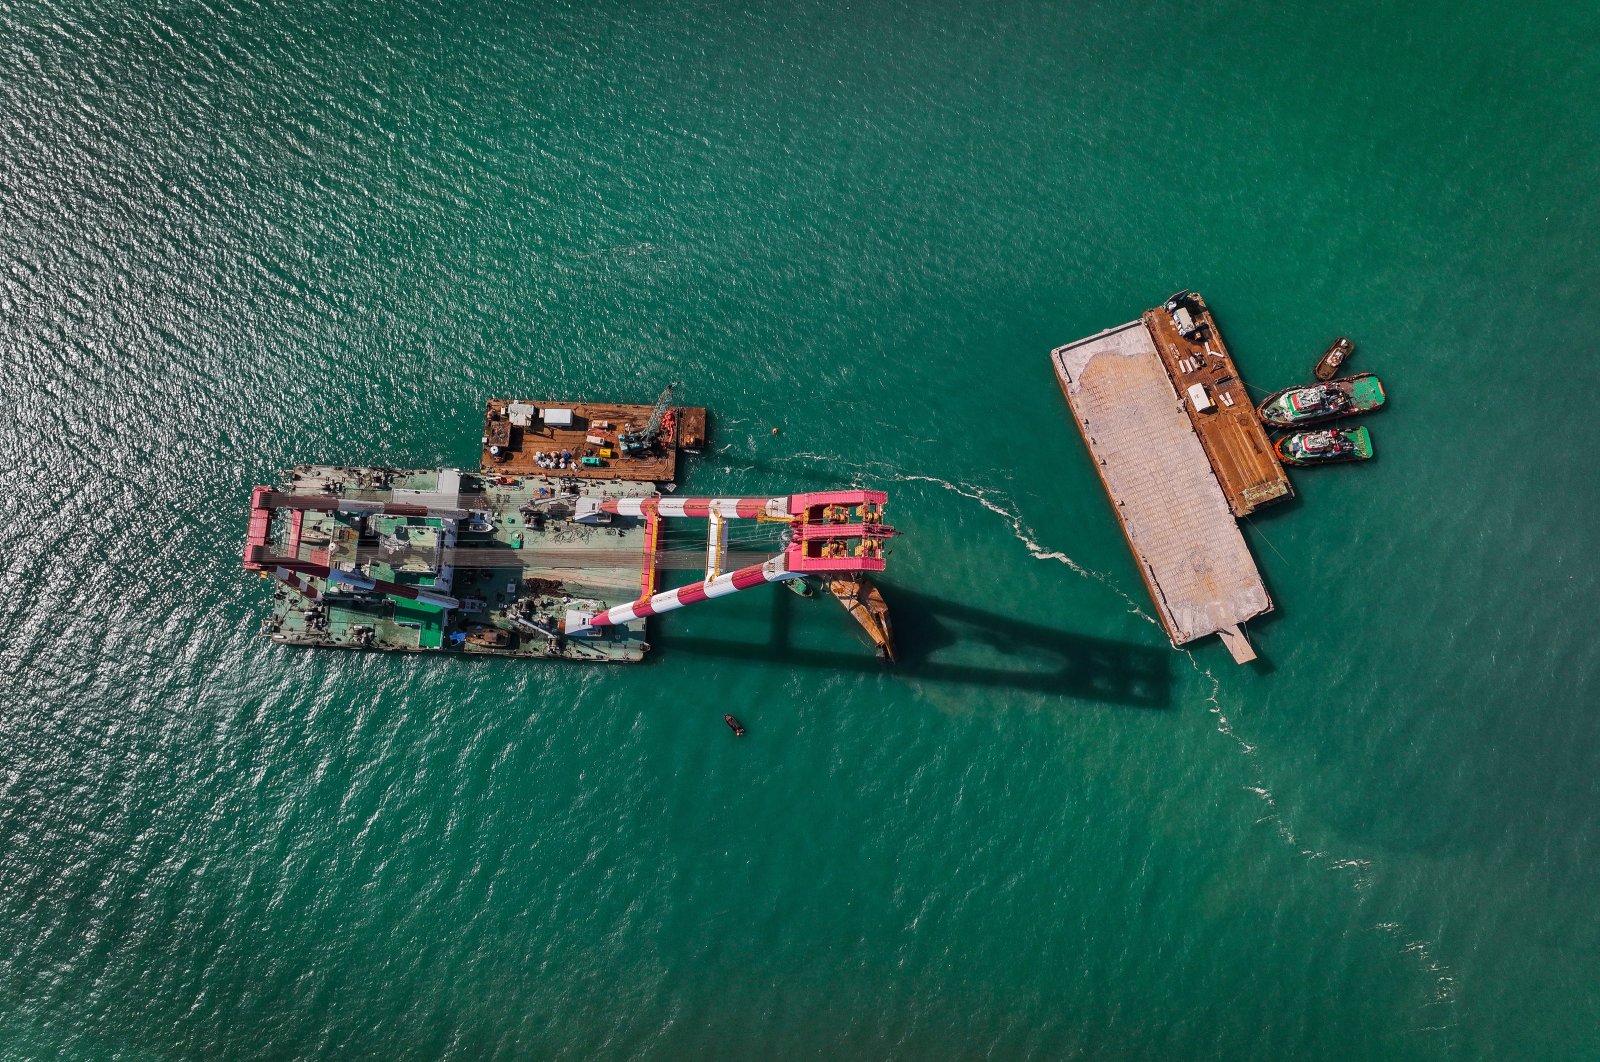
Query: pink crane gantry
x,y
834,531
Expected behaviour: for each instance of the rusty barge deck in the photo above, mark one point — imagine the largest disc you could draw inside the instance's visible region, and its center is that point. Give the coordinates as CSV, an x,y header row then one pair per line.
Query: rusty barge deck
x,y
1241,455
1179,465
518,434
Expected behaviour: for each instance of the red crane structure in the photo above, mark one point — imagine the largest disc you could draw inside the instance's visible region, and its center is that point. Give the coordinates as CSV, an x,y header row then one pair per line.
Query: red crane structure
x,y
829,533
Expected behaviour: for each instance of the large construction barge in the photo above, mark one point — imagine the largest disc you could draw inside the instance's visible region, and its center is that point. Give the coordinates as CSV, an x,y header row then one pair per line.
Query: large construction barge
x,y
1181,454
551,549
444,560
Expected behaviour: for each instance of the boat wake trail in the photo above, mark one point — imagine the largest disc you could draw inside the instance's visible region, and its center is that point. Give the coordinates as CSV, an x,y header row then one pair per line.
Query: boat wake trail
x,y
1359,871
994,500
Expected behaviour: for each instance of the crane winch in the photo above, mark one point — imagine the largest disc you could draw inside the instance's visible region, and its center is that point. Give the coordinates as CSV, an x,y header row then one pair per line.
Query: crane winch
x,y
634,443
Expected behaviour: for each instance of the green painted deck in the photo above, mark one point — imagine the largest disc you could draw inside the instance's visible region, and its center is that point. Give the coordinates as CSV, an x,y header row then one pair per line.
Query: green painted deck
x,y
513,556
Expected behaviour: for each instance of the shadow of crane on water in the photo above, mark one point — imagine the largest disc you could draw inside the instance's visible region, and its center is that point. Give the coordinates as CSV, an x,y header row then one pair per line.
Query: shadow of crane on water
x,y
932,632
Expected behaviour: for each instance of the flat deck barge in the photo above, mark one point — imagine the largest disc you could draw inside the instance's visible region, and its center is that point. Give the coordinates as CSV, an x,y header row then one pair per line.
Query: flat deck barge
x,y
527,437
1179,465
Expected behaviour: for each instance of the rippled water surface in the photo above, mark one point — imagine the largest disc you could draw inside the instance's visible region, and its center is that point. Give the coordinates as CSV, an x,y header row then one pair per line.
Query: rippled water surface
x,y
236,237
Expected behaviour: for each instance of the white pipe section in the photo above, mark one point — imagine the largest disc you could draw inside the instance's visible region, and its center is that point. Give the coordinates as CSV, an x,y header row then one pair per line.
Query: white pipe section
x,y
770,572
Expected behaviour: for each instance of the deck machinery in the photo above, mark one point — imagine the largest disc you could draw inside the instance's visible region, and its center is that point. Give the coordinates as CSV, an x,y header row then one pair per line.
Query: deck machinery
x,y
634,443
519,565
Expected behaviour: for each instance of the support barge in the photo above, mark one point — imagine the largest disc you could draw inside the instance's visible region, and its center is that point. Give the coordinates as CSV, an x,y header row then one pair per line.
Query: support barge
x,y
1177,446
589,440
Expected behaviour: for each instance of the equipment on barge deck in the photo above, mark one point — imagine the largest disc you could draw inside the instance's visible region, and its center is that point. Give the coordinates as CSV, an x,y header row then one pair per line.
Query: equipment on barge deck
x,y
1326,447
1328,365
634,443
1182,308
1309,404
489,637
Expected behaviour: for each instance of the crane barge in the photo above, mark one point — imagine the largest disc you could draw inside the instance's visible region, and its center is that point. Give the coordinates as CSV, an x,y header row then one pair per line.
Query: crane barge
x,y
540,564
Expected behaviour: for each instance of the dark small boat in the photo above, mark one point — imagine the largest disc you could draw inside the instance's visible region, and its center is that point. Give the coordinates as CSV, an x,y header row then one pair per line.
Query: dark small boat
x,y
801,586
734,725
1326,447
1328,367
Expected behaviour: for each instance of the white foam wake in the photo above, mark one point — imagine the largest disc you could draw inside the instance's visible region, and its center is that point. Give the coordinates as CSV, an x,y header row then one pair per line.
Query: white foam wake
x,y
1004,507
1359,871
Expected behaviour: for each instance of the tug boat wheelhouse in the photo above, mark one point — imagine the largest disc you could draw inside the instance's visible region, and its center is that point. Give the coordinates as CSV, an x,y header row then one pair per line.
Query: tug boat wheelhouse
x,y
1325,447
1312,403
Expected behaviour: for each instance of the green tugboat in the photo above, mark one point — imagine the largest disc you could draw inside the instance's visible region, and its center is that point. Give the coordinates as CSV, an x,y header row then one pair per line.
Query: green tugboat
x,y
1325,447
1311,403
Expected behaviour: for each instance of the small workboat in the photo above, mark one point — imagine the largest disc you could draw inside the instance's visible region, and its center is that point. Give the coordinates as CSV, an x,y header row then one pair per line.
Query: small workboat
x,y
1326,446
1310,403
489,637
799,586
1328,366
734,725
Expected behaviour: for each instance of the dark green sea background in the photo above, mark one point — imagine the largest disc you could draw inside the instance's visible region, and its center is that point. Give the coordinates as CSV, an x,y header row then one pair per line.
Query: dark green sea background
x,y
238,236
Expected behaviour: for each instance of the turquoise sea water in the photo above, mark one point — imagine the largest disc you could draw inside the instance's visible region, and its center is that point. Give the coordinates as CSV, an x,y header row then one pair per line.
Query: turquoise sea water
x,y
235,237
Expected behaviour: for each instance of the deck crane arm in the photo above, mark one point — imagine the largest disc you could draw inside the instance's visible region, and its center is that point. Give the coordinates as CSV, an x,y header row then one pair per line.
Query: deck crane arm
x,y
635,442
658,414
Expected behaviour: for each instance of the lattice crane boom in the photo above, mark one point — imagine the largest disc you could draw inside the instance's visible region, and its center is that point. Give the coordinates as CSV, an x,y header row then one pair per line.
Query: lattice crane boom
x,y
634,442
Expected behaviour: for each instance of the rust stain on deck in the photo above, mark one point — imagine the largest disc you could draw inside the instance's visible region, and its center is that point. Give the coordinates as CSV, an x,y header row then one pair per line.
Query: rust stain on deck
x,y
522,437
1177,475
